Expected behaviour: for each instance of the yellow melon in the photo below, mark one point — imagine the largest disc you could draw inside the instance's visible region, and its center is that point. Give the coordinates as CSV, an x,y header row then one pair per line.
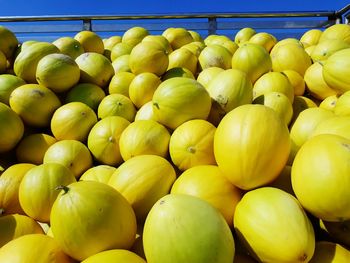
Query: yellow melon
x,y
251,157
12,130
264,39
35,104
320,176
142,88
104,137
244,34
143,180
311,37
116,105
134,35
144,137
69,46
95,68
57,72
120,83
177,37
33,248
90,41
32,148
293,237
73,121
72,154
290,56
27,60
273,81
252,59
10,180
215,56
148,57
208,183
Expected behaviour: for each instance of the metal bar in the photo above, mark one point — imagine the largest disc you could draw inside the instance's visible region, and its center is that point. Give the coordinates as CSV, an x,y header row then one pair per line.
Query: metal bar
x,y
150,26
163,16
273,24
44,28
87,24
343,10
213,25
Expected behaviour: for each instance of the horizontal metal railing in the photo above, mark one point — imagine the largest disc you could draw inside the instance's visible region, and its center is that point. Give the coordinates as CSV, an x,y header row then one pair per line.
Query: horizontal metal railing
x,y
210,23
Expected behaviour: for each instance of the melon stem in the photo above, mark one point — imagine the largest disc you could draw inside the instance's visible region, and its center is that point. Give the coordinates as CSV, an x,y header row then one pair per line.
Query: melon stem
x,y
62,187
156,105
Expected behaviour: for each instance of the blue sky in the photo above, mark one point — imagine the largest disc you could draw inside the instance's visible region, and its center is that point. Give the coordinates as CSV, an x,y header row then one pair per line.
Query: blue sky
x,y
115,7
76,7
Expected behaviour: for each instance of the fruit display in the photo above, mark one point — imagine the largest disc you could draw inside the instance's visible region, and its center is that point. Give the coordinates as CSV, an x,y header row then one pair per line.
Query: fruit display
x,y
176,147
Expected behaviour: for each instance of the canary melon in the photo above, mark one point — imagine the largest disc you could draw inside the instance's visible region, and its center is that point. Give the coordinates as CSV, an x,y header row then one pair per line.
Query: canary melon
x,y
183,58
27,60
114,255
8,83
342,107
252,59
111,226
95,68
104,137
32,148
206,75
337,31
327,252
148,57
177,100
263,39
208,183
320,177
230,89
87,93
215,56
290,56
71,153
315,82
183,228
37,190
326,48
336,69
279,102
143,180
90,41
101,173
144,137
191,144
73,121
273,82
311,37
244,34
15,225
142,88
268,220
10,180
12,130
177,37
57,72
8,42
69,46
116,105
33,248
304,125
329,103
248,156
134,35
35,104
